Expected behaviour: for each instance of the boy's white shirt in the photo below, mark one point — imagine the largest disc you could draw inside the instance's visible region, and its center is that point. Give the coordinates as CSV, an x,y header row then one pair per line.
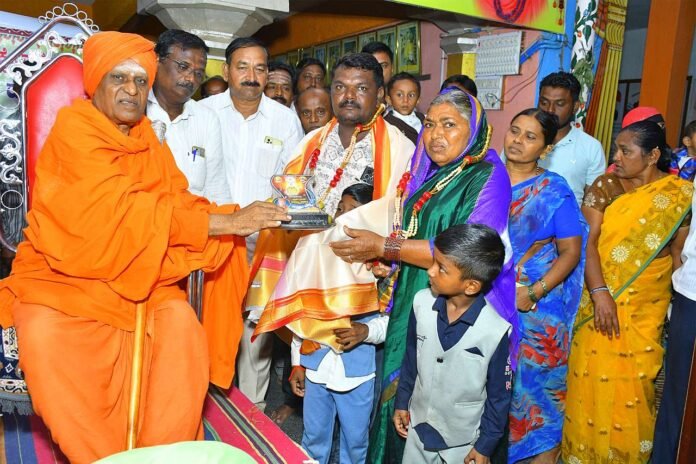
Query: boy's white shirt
x,y
410,119
331,371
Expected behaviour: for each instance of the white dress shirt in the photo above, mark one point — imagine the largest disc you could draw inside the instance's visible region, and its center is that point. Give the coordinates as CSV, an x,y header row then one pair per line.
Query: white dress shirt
x,y
195,129
331,371
684,278
578,158
257,147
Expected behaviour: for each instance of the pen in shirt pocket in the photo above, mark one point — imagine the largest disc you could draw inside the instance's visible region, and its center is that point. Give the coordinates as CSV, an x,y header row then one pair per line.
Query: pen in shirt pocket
x,y
197,151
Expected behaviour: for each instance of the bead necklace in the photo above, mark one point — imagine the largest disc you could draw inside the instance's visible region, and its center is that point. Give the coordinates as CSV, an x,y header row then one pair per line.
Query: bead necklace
x,y
314,158
412,228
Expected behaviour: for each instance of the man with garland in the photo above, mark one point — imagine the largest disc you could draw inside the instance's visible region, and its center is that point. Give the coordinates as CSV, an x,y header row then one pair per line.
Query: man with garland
x,y
357,146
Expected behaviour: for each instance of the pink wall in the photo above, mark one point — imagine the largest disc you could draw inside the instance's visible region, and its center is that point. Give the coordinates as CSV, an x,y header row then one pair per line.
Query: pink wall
x,y
518,93
432,58
518,90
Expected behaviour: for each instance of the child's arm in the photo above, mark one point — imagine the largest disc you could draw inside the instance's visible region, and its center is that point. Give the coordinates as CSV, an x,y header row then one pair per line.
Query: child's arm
x,y
497,406
377,329
297,376
407,380
373,331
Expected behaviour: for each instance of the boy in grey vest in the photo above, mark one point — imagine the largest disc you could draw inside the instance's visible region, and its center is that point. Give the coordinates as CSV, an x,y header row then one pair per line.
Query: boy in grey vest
x,y
454,390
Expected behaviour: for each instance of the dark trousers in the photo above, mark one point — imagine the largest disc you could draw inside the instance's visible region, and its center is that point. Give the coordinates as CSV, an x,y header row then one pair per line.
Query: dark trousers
x,y
680,348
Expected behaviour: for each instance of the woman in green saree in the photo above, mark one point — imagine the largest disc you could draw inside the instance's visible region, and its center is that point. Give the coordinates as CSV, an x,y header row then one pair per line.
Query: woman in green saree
x,y
454,179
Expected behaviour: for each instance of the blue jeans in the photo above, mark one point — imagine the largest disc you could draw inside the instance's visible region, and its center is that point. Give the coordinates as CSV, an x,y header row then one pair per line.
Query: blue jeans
x,y
321,406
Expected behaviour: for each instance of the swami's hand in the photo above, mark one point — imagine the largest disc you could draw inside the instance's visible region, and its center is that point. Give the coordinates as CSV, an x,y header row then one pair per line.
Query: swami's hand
x,y
401,420
297,381
252,218
605,318
348,338
363,246
475,456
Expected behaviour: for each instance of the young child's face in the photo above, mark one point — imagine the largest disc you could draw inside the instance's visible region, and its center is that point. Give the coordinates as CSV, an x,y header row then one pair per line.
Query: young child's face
x,y
446,278
690,144
346,204
404,96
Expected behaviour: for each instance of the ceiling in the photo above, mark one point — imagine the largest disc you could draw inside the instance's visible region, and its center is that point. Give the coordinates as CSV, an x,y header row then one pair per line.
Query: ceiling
x,y
121,14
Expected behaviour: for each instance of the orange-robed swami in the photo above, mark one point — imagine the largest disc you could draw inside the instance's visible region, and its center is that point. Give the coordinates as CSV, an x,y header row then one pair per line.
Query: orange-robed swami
x,y
112,224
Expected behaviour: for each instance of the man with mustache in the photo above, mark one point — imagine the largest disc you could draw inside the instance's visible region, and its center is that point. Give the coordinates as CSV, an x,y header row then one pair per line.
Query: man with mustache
x,y
260,134
191,130
357,146
577,156
281,83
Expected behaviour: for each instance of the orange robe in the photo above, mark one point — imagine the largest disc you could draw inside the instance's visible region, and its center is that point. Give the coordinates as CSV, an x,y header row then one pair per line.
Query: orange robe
x,y
111,225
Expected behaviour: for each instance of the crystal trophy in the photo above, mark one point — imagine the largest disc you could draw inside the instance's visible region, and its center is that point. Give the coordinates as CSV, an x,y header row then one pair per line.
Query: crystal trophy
x,y
296,193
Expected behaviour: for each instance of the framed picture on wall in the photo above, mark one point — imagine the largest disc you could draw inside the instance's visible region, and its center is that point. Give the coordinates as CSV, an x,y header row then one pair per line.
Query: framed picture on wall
x,y
293,58
388,37
408,46
320,53
364,39
281,58
349,45
333,53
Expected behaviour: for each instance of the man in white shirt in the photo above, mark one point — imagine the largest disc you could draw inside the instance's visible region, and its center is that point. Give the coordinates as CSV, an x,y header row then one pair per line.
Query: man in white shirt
x,y
680,349
191,130
259,136
576,156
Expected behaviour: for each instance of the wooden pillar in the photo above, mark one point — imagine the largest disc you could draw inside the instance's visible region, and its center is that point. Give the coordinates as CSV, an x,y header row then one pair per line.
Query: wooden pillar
x,y
666,62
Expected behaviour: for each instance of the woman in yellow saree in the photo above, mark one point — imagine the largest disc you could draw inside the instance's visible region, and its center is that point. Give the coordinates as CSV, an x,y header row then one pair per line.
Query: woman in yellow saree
x,y
637,229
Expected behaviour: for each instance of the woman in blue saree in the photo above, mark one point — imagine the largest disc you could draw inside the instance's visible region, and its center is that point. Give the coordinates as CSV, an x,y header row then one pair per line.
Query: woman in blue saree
x,y
548,235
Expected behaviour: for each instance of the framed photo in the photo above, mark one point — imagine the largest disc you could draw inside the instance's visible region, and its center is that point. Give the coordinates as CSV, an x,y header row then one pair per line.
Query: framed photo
x,y
333,53
349,45
364,39
320,53
408,45
388,37
293,58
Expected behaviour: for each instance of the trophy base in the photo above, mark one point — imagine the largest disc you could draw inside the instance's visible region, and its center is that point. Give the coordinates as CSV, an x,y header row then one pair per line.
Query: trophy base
x,y
307,221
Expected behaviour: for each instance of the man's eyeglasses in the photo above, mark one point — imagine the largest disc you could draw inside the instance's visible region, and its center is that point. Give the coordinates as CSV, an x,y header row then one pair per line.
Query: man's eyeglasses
x,y
185,69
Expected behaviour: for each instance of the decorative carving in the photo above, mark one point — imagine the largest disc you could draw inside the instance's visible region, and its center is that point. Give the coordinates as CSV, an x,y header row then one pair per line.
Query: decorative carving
x,y
11,161
604,95
23,63
69,10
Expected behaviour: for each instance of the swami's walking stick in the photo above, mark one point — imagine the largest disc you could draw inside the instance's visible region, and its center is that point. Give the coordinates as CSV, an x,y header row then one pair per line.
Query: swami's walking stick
x,y
136,375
